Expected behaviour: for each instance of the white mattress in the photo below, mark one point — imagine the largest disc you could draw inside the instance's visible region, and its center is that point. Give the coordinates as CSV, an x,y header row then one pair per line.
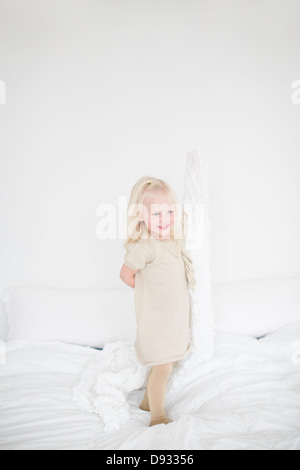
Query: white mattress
x,y
248,397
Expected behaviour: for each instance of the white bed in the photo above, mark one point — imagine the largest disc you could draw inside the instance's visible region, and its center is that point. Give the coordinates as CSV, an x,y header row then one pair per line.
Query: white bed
x,y
247,397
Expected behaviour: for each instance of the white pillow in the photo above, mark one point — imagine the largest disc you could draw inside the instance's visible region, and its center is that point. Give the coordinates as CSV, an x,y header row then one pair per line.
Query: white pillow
x,y
256,307
90,317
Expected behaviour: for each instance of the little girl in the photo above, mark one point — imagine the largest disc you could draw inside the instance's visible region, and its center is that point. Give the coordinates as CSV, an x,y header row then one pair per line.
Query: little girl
x,y
159,269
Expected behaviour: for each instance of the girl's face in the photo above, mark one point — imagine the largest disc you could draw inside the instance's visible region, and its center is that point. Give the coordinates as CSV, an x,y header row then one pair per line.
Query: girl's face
x,y
158,214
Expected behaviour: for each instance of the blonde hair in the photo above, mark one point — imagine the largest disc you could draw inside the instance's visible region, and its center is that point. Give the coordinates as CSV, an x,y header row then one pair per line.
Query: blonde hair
x,y
136,228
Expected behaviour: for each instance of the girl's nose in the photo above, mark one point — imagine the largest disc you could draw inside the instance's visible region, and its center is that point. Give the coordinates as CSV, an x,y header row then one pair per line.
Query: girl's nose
x,y
164,221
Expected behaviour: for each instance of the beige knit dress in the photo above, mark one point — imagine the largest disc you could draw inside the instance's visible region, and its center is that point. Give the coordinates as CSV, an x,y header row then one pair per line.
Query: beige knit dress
x,y
162,303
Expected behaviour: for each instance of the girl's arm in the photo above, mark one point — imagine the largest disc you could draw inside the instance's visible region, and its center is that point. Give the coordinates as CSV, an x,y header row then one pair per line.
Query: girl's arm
x,y
128,276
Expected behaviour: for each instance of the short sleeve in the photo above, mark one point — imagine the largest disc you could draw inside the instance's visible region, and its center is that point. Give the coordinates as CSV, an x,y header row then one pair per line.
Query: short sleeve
x,y
136,256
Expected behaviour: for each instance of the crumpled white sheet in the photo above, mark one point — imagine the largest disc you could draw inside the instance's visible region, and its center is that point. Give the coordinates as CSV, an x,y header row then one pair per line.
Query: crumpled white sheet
x,y
246,398
107,380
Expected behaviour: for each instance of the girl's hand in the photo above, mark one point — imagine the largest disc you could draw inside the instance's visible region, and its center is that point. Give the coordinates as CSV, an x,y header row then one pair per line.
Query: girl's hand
x,y
128,276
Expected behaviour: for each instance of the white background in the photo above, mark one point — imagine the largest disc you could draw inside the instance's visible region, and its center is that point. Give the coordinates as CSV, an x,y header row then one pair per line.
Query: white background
x,y
102,92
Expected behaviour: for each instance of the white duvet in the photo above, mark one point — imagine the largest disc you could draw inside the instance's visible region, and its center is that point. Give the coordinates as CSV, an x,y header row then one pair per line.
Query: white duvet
x,y
247,397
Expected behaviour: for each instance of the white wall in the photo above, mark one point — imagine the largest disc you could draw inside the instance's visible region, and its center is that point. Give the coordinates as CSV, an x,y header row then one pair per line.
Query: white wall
x,y
99,93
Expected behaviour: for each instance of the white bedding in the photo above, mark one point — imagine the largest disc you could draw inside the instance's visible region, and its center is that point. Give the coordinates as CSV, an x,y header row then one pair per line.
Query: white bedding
x,y
247,397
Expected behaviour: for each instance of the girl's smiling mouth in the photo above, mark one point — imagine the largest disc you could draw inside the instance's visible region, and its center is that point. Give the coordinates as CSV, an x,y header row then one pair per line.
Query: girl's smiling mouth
x,y
164,228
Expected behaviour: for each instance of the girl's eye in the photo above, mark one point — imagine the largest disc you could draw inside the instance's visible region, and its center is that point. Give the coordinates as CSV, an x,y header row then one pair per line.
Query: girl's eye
x,y
157,213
